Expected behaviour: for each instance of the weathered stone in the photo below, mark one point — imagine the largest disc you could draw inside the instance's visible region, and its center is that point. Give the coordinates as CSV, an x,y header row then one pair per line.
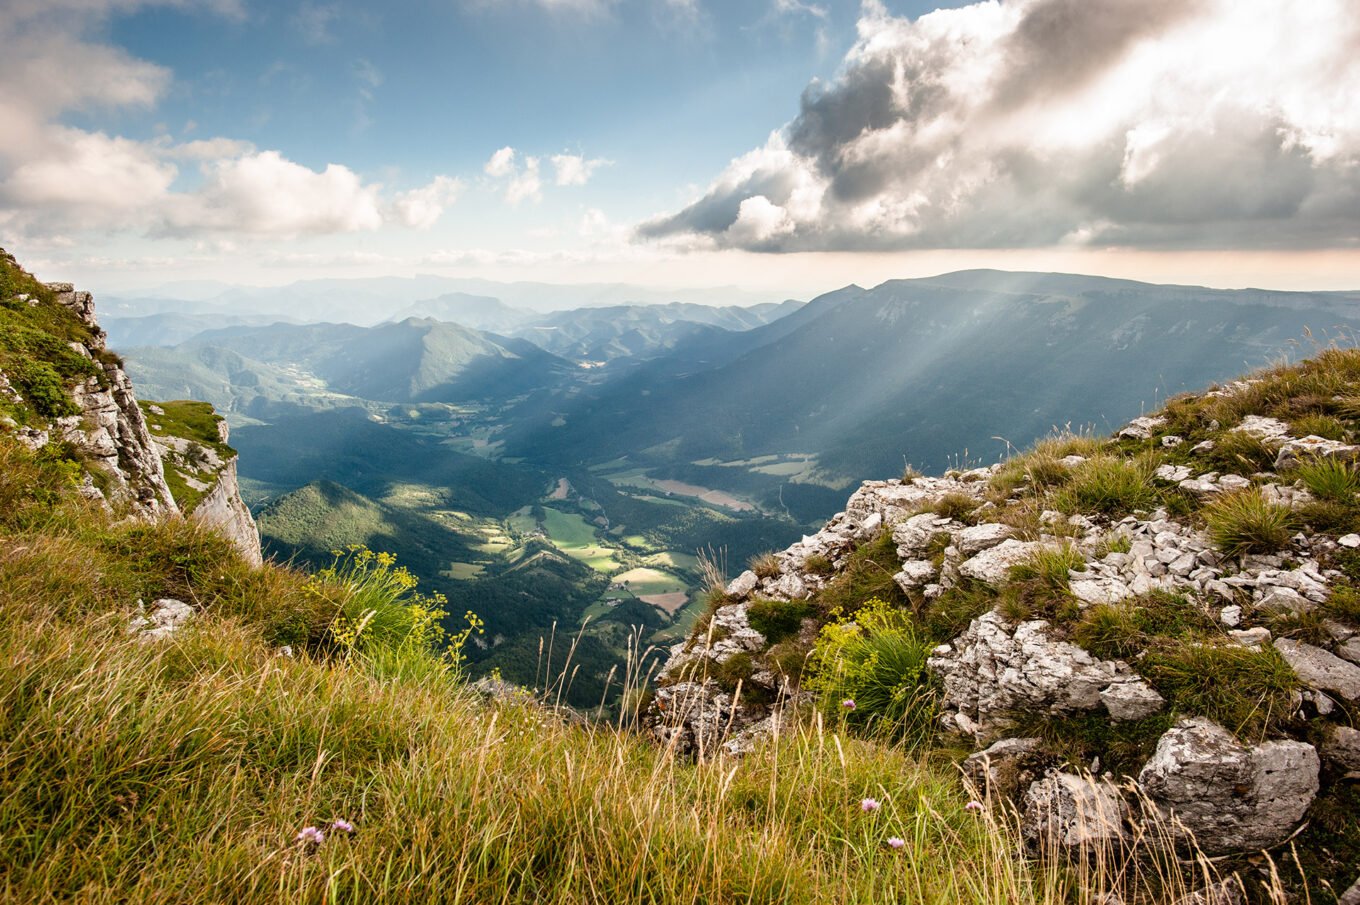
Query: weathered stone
x,y
1350,896
1285,600
1349,540
1320,669
1251,637
1007,767
992,672
1294,452
741,587
915,575
1231,616
1083,815
1228,796
167,616
1349,650
1131,700
1142,428
992,566
977,538
1341,746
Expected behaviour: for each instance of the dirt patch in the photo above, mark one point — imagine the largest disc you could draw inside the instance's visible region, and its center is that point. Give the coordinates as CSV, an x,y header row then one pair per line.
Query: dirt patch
x,y
671,603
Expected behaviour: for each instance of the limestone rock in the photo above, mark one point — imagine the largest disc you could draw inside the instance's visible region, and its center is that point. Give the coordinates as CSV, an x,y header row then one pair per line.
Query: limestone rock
x,y
992,672
1231,797
741,587
973,540
1081,814
167,616
1350,896
1342,747
1007,767
993,565
223,510
915,575
1320,669
1142,428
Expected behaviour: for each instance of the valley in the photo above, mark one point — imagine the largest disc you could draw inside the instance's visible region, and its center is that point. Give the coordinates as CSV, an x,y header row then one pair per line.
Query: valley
x,y
563,479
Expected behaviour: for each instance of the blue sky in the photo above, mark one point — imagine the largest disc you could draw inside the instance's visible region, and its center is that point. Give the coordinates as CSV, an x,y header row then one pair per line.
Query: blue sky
x,y
679,141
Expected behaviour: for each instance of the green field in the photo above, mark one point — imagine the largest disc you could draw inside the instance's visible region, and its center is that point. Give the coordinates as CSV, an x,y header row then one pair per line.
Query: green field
x,y
576,537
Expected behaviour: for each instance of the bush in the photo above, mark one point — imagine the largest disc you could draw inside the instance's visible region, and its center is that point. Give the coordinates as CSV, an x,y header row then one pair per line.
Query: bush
x,y
878,662
1244,522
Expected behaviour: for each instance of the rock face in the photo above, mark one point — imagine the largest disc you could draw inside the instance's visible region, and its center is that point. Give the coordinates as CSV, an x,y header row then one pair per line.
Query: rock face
x,y
223,510
111,429
993,672
1231,797
166,617
125,462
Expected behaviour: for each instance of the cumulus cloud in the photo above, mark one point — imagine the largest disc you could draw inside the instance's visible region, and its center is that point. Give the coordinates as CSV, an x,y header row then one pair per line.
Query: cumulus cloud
x,y
525,183
501,164
575,169
1156,123
421,208
56,178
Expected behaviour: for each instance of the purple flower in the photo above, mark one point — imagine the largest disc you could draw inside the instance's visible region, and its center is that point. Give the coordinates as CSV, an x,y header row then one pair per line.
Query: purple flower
x,y
848,704
310,835
343,826
896,842
973,806
869,805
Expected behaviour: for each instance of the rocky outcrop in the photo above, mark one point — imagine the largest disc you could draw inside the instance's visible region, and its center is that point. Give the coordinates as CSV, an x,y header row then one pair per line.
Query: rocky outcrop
x,y
110,431
125,462
994,672
1082,814
1229,796
223,510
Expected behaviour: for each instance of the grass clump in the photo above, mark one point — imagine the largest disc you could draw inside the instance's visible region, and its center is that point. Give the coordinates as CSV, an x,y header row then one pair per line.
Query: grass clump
x,y
1248,690
1123,630
871,670
1331,479
957,506
1109,485
1245,522
868,574
1318,425
766,565
1040,587
1241,453
779,619
817,564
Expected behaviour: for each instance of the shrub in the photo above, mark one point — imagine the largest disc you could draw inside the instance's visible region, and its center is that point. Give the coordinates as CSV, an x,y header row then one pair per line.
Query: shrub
x,y
1244,522
1109,485
877,661
1331,479
778,619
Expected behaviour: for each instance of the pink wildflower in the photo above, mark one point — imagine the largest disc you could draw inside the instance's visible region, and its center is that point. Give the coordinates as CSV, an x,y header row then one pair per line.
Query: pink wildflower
x,y
310,835
973,806
848,704
896,842
869,805
343,826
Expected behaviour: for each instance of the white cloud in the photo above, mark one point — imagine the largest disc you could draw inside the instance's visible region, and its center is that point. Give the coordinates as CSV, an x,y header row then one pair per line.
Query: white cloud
x,y
575,169
789,7
525,184
501,164
421,208
267,194
1163,123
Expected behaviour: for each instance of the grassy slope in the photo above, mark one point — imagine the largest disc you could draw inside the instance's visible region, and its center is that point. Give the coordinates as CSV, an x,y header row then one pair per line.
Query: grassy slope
x,y
182,770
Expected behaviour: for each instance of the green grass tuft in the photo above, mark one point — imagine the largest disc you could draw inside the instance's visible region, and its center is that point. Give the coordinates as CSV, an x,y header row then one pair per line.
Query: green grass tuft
x,y
1244,522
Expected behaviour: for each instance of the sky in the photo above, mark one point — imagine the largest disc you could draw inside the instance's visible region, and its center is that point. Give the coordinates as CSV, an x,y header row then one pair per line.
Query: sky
x,y
783,146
